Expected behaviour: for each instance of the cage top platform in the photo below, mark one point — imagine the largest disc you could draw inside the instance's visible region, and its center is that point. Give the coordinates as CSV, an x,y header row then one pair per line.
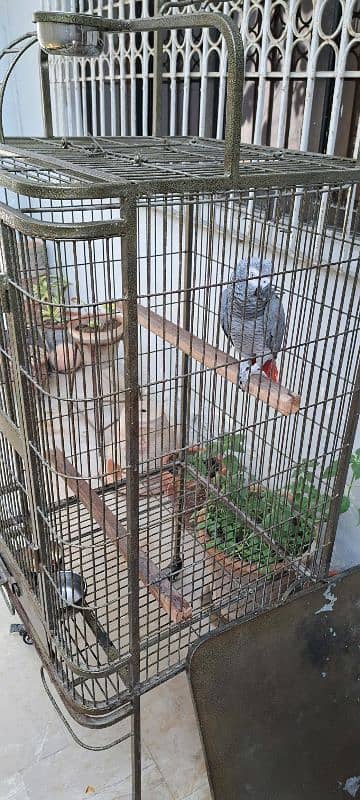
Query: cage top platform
x,y
115,167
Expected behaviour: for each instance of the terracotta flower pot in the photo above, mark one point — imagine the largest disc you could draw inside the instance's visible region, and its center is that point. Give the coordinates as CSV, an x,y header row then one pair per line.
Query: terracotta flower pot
x,y
95,340
53,339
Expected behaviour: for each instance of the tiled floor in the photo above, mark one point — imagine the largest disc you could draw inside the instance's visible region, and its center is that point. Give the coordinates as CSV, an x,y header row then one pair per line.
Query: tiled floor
x,y
39,760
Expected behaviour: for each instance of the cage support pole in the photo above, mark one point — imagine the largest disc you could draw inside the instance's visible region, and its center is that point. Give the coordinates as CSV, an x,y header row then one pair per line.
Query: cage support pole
x,y
130,339
8,426
273,394
185,383
45,94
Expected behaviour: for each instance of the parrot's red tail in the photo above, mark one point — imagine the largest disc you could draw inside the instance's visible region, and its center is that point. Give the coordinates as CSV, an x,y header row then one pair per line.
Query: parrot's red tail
x,y
270,370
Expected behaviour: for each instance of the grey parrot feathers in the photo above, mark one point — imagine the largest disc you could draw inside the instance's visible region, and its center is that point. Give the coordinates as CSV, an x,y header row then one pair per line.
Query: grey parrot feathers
x,y
251,313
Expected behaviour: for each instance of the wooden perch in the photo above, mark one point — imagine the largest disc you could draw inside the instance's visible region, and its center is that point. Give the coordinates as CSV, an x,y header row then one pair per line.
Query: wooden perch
x,y
169,598
275,395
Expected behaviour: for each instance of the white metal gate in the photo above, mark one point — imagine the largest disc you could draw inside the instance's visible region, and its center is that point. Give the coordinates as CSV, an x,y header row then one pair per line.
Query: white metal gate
x,y
301,77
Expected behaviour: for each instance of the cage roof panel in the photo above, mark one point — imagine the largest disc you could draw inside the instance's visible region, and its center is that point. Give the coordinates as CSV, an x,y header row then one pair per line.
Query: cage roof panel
x,y
115,166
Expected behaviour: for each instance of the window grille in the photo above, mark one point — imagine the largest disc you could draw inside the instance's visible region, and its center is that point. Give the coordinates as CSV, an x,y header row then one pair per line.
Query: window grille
x,y
302,70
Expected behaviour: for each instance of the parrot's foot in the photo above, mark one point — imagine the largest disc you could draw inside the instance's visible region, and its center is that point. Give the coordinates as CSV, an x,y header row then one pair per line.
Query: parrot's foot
x,y
244,374
255,368
245,371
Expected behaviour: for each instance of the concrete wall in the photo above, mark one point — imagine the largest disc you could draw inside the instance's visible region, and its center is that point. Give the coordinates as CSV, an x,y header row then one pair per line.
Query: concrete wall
x,y
22,106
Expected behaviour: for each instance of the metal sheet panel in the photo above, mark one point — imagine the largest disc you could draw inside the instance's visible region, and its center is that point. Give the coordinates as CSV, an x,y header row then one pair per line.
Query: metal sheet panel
x,y
278,699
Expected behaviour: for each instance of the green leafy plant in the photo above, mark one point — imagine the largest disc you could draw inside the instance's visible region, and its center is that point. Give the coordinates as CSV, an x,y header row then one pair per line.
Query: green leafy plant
x,y
218,461
229,534
306,496
102,321
290,520
331,471
47,291
273,512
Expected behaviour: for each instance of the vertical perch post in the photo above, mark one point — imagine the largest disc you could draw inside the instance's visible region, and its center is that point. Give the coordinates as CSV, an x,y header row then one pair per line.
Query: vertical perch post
x,y
176,564
130,322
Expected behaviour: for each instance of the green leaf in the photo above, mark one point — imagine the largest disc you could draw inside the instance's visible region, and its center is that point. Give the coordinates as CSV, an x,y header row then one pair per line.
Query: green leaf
x,y
345,505
355,466
233,442
331,471
210,544
211,526
231,463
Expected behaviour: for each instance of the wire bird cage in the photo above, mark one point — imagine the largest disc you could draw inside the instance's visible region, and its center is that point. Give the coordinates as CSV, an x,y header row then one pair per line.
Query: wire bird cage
x,y
148,490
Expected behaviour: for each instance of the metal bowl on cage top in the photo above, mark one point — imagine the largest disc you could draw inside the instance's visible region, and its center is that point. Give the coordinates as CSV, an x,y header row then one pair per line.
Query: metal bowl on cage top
x,y
58,37
72,587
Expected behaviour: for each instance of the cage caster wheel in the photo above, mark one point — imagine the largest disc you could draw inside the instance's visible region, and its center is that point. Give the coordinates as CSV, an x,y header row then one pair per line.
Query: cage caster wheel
x,y
18,628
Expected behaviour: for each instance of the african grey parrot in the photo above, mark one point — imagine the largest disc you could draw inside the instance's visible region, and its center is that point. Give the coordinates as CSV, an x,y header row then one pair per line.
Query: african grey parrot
x,y
253,318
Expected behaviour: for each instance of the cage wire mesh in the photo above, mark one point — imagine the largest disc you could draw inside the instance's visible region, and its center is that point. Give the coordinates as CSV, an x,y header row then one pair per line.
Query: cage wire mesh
x,y
240,491
146,493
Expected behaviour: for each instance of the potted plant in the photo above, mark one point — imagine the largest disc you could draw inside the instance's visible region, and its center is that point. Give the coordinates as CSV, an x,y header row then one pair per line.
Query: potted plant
x,y
97,334
290,519
230,534
234,551
51,319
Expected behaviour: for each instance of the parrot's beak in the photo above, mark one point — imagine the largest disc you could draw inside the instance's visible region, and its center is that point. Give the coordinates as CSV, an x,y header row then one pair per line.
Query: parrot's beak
x,y
264,284
264,288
